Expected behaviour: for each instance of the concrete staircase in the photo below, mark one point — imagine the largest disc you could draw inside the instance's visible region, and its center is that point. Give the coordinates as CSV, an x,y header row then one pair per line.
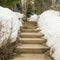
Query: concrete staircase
x,y
32,44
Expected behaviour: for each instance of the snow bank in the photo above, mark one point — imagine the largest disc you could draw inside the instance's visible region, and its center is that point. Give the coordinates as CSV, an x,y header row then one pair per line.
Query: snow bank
x,y
34,17
20,17
49,23
9,25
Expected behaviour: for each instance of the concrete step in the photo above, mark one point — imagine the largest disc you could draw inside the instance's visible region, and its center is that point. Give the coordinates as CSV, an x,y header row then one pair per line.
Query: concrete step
x,y
30,30
31,35
32,48
32,40
30,27
32,57
30,24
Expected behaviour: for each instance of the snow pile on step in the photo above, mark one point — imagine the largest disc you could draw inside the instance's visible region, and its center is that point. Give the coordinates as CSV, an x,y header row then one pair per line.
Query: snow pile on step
x,y
49,23
9,25
34,17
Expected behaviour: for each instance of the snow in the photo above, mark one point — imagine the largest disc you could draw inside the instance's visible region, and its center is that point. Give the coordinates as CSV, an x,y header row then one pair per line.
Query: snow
x,y
9,25
34,17
20,17
49,23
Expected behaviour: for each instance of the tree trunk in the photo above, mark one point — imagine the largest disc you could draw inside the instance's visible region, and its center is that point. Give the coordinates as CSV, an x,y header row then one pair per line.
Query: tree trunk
x,y
26,7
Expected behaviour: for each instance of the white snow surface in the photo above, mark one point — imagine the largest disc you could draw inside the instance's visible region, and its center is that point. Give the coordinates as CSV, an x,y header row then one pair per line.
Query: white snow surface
x,y
49,23
9,25
20,17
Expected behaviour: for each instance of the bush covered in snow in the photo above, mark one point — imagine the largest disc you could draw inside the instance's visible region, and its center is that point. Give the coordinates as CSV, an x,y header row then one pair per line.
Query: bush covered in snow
x,y
9,25
20,17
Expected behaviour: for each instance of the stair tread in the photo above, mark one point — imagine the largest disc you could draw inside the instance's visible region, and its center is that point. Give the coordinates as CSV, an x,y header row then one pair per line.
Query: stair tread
x,y
30,24
32,46
23,33
32,39
30,30
31,35
32,57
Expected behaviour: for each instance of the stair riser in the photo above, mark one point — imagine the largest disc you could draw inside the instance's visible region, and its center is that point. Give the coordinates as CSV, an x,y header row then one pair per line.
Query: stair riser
x,y
30,31
32,42
31,36
32,50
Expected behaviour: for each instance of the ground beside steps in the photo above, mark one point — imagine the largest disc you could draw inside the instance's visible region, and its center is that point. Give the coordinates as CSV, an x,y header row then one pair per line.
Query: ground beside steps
x,y
32,44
